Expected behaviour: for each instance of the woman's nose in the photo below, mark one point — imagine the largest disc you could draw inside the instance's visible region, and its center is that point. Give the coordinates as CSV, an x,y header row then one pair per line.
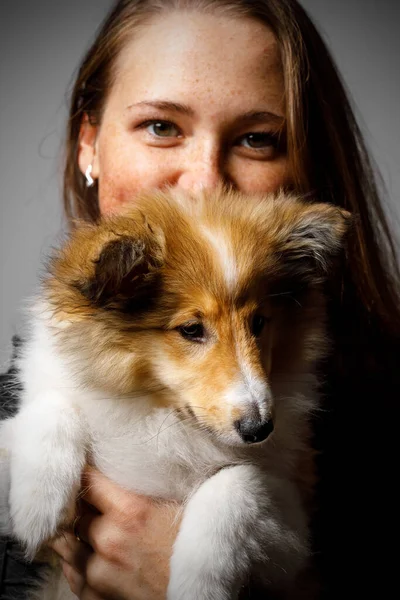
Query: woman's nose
x,y
195,180
204,174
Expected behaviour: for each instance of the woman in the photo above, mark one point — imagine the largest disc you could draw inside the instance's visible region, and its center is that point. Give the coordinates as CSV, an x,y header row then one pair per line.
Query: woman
x,y
191,93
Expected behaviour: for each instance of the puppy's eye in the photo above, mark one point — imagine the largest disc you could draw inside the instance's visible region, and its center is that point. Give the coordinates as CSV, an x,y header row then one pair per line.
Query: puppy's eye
x,y
258,324
193,332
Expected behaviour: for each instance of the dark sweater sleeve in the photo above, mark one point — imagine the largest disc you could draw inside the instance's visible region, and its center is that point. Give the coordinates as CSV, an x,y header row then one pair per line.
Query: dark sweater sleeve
x,y
16,575
10,388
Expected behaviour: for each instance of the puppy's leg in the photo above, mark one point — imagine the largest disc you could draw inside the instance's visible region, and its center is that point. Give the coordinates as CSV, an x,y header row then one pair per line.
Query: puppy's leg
x,y
47,458
237,520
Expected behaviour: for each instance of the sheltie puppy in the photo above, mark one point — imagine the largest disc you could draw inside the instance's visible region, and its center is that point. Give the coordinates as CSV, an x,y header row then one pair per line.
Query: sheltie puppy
x,y
174,347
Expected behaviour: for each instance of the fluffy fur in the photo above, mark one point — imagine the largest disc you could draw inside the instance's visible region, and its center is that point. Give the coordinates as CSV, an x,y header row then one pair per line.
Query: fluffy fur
x,y
174,347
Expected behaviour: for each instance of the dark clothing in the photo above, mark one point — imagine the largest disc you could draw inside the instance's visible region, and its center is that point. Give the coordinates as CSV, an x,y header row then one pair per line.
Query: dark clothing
x,y
9,386
356,434
15,572
16,575
357,437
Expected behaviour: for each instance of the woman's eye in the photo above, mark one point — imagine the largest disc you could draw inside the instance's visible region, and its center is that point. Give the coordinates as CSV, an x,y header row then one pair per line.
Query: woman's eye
x,y
193,332
259,140
161,128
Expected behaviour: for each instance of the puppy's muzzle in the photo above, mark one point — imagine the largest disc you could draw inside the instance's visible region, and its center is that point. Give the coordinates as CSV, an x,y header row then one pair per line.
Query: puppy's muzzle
x,y
253,429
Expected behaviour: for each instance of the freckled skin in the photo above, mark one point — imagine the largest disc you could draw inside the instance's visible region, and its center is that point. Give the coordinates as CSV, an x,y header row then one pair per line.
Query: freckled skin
x,y
221,68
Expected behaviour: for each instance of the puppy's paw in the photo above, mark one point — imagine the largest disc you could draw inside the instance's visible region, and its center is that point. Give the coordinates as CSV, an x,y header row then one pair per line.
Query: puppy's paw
x,y
201,566
43,493
193,584
47,457
39,508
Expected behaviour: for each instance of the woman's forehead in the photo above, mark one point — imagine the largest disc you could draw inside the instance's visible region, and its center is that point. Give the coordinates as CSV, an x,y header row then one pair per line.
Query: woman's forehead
x,y
203,59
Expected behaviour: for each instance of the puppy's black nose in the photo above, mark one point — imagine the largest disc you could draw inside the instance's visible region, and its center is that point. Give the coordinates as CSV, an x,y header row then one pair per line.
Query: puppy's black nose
x,y
253,430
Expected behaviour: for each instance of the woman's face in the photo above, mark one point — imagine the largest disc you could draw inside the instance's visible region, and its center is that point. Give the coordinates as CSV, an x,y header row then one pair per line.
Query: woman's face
x,y
197,100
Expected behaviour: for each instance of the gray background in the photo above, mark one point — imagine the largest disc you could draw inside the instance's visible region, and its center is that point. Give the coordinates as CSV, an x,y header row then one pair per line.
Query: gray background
x,y
41,43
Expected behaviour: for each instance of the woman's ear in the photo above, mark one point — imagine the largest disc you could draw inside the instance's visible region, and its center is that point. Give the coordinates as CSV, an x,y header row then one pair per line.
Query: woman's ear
x,y
87,150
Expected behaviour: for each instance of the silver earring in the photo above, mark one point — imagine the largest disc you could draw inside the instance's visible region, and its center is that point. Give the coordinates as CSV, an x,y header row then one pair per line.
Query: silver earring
x,y
89,178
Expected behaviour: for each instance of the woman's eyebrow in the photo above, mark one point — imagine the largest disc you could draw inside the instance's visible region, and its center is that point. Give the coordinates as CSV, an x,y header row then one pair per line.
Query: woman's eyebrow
x,y
164,105
261,116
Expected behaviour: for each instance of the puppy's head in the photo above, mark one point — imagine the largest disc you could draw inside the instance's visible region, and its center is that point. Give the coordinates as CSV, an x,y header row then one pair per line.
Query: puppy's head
x,y
198,303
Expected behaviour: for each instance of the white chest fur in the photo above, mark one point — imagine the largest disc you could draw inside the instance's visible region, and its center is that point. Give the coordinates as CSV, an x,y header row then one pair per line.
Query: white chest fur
x,y
148,449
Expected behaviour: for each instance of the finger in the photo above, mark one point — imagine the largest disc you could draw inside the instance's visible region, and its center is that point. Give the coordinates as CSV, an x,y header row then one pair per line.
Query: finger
x,y
88,593
74,553
95,532
106,496
75,580
87,526
99,491
85,513
102,578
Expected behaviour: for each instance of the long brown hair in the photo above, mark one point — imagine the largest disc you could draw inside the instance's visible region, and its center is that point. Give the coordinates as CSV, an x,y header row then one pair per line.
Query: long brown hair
x,y
325,148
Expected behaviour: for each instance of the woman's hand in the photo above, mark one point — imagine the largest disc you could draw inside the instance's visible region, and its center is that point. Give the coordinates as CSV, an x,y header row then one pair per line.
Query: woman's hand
x,y
126,544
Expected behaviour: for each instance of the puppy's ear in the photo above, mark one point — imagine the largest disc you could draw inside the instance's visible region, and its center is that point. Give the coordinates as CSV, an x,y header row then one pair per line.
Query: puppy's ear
x,y
115,265
124,267
314,238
